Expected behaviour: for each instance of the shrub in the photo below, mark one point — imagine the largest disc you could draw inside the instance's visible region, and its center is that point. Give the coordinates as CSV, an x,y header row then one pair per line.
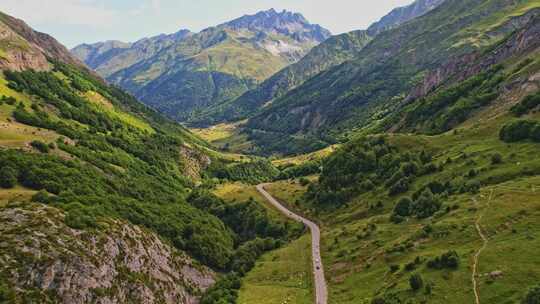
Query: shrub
x,y
426,205
304,181
416,282
528,103
403,207
496,159
8,177
40,146
41,197
400,186
225,291
396,219
533,296
518,130
429,288
394,268
7,295
449,259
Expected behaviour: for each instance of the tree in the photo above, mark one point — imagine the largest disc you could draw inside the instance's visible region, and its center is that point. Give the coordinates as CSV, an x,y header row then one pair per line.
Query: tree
x,y
403,207
533,296
8,177
40,146
426,205
416,282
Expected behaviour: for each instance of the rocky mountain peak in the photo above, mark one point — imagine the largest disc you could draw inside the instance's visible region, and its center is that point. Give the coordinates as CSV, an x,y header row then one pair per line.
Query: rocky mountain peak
x,y
285,22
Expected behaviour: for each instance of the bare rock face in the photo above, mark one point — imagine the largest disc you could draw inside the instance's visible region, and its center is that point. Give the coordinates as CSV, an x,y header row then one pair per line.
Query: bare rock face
x,y
521,41
45,260
23,48
17,54
194,162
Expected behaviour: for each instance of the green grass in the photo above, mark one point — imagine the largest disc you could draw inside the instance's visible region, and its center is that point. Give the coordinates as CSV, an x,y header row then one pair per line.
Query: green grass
x,y
12,133
237,191
225,137
105,105
18,194
281,276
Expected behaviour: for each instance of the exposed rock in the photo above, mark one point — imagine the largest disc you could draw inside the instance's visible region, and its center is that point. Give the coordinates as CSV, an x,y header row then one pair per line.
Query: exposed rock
x,y
194,162
117,263
27,48
458,69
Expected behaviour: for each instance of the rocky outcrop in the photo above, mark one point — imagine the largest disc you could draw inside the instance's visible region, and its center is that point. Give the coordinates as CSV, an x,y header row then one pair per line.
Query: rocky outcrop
x,y
522,41
28,48
16,54
45,259
194,162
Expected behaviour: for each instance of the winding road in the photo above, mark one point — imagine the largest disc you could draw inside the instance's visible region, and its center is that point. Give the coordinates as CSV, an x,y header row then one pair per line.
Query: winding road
x,y
321,294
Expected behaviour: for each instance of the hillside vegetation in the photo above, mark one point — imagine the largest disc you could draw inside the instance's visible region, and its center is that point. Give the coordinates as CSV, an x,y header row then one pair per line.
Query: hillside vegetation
x,y
393,69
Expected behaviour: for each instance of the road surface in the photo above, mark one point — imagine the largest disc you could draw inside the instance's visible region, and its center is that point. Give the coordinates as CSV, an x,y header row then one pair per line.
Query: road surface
x,y
321,294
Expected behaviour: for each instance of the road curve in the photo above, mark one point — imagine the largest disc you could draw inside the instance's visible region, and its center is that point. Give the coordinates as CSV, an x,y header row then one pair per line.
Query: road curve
x,y
321,294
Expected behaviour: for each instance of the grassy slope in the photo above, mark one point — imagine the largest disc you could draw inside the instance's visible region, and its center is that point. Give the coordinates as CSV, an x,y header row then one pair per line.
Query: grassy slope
x,y
366,88
281,276
225,136
357,263
357,258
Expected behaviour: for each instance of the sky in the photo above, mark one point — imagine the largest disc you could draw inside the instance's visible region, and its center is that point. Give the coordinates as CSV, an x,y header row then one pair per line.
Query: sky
x,y
74,22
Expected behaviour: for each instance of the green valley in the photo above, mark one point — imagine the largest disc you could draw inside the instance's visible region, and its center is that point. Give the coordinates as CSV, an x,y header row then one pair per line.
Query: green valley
x,y
264,161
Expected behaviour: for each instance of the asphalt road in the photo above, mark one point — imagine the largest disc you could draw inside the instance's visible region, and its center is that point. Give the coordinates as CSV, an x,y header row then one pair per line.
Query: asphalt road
x,y
321,294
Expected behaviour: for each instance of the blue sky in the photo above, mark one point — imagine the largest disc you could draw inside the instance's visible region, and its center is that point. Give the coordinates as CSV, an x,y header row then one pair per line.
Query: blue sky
x,y
77,21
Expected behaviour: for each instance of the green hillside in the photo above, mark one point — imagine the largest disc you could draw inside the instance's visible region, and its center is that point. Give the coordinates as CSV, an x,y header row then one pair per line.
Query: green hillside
x,y
101,167
331,52
378,81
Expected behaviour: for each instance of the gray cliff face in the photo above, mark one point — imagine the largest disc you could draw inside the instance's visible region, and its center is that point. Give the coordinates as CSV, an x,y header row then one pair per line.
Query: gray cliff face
x,y
48,261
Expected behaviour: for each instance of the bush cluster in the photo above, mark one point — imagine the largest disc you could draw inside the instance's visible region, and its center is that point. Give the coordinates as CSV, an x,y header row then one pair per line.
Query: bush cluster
x,y
449,259
520,130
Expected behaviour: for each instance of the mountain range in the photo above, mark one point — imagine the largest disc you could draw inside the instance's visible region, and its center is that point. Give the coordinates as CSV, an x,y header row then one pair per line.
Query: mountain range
x,y
223,98
183,73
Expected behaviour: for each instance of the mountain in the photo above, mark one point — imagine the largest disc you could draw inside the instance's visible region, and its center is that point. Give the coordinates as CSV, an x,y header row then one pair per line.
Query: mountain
x,y
210,67
99,195
109,57
401,15
23,48
329,53
378,80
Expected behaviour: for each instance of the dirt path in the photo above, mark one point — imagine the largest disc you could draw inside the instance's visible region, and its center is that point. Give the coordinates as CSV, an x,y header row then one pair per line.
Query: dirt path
x,y
485,241
321,294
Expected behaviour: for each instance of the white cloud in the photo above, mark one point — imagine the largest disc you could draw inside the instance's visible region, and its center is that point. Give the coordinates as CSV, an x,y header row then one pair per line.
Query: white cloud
x,y
63,12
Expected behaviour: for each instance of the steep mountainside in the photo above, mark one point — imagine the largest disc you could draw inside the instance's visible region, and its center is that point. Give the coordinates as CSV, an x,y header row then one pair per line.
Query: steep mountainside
x,y
217,64
438,201
124,220
329,53
122,264
23,48
401,15
376,82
